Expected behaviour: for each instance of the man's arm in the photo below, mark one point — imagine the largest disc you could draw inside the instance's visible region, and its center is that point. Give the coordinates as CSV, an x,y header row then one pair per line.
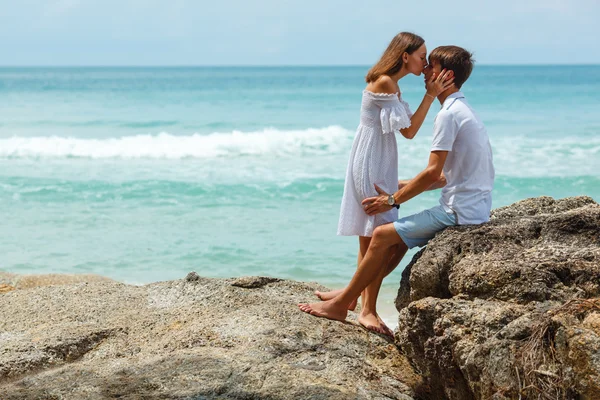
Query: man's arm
x,y
440,183
425,179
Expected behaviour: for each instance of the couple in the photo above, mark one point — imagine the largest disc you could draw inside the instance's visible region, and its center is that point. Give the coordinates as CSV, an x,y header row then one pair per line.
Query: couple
x,y
460,162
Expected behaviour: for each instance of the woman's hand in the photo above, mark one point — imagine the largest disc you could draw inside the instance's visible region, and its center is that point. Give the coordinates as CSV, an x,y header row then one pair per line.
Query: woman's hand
x,y
437,85
377,205
402,183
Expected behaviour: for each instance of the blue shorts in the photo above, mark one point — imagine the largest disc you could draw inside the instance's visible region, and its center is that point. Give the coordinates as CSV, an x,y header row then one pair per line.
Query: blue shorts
x,y
418,229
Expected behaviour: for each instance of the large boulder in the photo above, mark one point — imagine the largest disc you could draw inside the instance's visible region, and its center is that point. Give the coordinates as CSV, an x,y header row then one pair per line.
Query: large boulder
x,y
509,309
194,338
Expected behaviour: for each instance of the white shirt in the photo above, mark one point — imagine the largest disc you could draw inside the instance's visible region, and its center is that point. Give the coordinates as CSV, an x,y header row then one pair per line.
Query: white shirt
x,y
469,167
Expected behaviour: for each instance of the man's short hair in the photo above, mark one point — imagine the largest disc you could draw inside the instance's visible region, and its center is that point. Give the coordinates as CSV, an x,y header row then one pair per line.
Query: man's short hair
x,y
455,59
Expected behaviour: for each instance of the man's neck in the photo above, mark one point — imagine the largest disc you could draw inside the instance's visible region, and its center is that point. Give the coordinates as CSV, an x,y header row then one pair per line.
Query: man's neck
x,y
444,95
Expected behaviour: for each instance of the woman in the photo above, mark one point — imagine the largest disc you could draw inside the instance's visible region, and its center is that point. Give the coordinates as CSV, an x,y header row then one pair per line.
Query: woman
x,y
374,156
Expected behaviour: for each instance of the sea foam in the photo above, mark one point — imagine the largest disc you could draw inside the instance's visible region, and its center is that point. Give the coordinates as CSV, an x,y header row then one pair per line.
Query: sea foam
x,y
307,150
167,146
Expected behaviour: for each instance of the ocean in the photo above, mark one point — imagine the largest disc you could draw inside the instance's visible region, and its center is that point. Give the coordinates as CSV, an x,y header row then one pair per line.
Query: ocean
x,y
146,174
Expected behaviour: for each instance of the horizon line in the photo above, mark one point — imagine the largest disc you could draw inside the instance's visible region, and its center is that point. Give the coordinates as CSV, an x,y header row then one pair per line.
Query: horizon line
x,y
274,65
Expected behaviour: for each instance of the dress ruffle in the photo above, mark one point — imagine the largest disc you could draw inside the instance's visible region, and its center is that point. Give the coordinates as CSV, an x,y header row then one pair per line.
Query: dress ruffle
x,y
395,118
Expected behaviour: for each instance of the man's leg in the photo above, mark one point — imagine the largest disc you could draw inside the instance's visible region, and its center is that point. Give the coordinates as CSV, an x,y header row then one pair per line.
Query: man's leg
x,y
397,255
413,230
384,238
368,316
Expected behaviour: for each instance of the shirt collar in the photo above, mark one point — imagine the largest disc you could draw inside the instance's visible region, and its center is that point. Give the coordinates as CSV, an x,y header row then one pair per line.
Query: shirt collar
x,y
452,98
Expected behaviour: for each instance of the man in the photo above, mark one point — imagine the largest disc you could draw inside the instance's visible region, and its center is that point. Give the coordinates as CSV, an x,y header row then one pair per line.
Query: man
x,y
460,154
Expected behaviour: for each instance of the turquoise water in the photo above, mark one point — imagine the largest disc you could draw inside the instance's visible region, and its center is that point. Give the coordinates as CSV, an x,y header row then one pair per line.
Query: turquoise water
x,y
144,174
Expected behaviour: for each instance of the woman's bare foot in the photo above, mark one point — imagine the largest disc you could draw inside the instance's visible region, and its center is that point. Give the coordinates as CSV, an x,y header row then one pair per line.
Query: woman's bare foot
x,y
326,309
385,327
328,295
373,323
333,293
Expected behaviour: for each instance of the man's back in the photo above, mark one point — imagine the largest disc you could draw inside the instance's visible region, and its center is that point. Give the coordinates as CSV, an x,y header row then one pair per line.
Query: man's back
x,y
469,168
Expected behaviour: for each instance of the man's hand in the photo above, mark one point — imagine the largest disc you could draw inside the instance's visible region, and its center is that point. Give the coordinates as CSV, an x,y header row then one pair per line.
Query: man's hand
x,y
377,205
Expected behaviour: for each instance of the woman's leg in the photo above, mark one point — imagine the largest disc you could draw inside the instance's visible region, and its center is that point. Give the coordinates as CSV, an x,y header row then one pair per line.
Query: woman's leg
x,y
363,246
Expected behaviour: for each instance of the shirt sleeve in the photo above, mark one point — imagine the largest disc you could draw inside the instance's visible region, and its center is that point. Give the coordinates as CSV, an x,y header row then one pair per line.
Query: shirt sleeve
x,y
445,130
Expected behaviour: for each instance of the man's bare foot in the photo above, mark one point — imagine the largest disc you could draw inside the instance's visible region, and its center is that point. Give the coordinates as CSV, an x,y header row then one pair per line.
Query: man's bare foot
x,y
333,293
326,309
373,323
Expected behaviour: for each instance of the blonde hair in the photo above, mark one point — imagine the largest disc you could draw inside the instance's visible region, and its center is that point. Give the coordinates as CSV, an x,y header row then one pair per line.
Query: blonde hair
x,y
391,60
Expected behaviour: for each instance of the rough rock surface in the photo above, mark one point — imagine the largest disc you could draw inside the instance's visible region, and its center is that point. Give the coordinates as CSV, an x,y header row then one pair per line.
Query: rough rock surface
x,y
509,309
506,310
10,281
195,338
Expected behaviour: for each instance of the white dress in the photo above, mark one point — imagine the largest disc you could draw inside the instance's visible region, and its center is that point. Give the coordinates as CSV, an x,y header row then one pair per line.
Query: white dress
x,y
373,160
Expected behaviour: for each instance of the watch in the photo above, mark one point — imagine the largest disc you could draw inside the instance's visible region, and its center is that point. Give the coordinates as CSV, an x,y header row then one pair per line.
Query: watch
x,y
392,202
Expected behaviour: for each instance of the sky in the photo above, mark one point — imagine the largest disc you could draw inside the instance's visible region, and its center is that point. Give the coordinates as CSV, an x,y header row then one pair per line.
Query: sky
x,y
282,32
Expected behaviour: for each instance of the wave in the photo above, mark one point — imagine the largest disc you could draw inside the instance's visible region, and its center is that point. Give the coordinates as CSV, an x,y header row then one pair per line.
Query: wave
x,y
543,157
332,139
308,152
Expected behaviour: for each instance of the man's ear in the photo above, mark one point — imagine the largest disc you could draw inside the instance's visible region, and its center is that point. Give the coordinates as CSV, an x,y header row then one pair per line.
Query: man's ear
x,y
450,74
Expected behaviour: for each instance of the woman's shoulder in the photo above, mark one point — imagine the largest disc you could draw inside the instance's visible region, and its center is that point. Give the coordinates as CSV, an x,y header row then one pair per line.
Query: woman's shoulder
x,y
384,85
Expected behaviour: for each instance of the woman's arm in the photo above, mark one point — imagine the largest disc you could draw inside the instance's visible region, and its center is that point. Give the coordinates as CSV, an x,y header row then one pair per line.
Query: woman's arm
x,y
440,183
434,86
418,117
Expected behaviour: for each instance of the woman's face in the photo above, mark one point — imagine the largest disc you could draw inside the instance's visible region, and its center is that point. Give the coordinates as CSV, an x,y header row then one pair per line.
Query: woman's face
x,y
417,61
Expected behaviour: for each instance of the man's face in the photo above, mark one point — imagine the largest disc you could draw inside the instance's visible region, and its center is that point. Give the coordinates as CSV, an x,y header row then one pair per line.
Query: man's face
x,y
427,72
432,70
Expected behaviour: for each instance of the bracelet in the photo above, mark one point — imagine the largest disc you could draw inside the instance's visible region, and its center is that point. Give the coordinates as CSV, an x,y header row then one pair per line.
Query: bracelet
x,y
427,94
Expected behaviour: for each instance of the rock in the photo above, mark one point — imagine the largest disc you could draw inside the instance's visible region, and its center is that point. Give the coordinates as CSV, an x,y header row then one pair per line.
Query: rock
x,y
192,277
505,310
509,309
6,288
194,338
253,282
31,281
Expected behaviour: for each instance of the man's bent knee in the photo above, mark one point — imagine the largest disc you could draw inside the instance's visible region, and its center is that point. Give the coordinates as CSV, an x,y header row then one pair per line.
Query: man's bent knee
x,y
385,236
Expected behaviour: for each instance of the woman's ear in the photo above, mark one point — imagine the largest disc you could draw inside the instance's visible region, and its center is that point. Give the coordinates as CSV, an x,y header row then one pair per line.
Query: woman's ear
x,y
405,57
